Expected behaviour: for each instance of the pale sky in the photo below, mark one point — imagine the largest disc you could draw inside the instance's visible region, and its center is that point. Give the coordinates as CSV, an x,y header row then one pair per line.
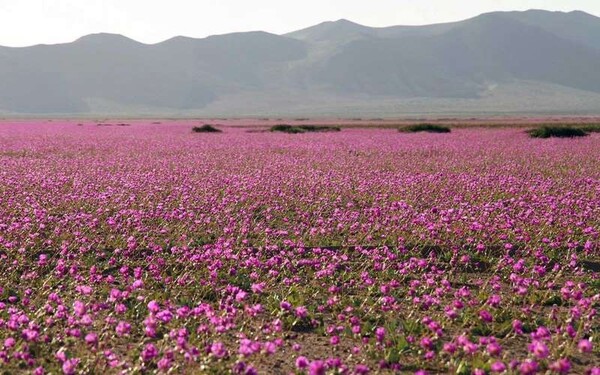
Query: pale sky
x,y
28,22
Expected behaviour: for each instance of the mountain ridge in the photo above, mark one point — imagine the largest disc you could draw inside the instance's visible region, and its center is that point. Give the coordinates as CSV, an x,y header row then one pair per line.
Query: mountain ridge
x,y
338,61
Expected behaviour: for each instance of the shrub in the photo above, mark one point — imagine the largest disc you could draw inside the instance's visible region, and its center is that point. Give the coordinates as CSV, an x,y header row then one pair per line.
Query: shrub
x,y
283,128
429,128
206,128
591,128
557,131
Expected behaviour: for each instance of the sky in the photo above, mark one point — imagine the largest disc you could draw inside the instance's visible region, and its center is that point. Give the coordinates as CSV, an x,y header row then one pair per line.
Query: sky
x,y
29,22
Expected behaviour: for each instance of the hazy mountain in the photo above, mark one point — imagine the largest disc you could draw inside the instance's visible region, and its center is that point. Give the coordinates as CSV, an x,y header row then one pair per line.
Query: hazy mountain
x,y
333,68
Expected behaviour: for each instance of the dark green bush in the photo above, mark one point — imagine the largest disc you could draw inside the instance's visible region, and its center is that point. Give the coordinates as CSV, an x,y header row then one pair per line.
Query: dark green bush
x,y
591,128
206,129
295,129
557,131
429,128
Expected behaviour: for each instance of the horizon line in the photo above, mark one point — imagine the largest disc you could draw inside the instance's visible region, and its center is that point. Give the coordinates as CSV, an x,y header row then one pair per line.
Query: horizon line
x,y
293,31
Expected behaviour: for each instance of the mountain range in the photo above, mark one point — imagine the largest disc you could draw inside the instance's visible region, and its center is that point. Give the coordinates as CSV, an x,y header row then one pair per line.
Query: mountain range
x,y
503,62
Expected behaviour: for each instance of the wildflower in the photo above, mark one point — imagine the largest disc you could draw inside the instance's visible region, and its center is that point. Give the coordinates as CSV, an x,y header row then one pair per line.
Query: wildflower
x,y
498,367
585,346
317,368
301,312
302,362
517,326
562,366
149,352
486,316
380,334
218,350
164,364
285,305
91,338
123,328
539,349
528,367
69,366
153,307
494,349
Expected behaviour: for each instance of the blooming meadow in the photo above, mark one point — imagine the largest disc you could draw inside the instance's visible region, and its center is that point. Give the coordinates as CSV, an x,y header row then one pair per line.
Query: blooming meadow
x,y
147,248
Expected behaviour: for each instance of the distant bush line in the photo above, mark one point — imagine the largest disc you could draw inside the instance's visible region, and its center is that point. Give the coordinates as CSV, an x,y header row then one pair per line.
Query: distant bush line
x,y
429,128
207,128
296,129
562,131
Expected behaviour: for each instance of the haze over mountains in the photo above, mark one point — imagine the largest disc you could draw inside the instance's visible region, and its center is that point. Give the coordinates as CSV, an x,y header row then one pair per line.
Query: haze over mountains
x,y
503,62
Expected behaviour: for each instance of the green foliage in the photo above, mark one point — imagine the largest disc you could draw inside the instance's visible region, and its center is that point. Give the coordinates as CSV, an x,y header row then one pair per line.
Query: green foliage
x,y
591,128
296,129
425,127
206,128
557,132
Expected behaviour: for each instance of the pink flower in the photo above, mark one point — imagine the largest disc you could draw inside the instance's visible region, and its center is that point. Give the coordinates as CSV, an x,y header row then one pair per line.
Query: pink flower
x,y
149,352
79,308
70,365
9,342
317,368
585,346
257,288
494,349
301,362
91,338
301,312
528,367
270,348
562,366
449,347
486,316
164,364
153,307
517,326
138,284
285,305
218,349
380,334
123,328
539,349
498,367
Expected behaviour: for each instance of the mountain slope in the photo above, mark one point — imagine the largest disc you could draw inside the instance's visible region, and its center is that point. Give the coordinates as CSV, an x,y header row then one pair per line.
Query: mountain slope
x,y
463,61
335,64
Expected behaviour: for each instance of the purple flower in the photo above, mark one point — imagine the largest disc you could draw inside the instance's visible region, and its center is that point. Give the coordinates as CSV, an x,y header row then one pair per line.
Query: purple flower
x,y
91,338
149,352
285,305
123,328
528,367
70,365
562,366
218,349
585,346
539,349
153,307
301,312
302,362
498,367
486,316
317,368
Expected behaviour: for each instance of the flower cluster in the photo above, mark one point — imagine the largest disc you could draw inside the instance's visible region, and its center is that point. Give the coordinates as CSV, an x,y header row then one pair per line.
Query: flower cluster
x,y
149,248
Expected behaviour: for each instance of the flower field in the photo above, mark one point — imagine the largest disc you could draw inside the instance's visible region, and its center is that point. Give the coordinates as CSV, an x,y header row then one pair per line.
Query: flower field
x,y
147,248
